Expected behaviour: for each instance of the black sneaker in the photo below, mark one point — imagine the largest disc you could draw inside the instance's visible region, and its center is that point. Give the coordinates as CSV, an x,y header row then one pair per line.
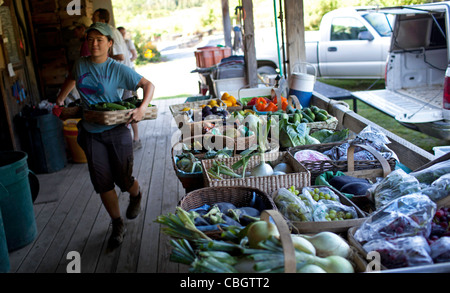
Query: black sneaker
x,y
118,233
134,207
137,144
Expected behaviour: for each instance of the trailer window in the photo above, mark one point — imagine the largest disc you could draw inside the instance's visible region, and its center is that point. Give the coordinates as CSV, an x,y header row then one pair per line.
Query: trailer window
x,y
381,22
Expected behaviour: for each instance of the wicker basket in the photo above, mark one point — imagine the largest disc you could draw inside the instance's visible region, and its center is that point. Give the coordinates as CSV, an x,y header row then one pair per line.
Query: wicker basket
x,y
193,128
364,169
240,196
242,142
334,226
177,109
116,117
299,177
193,181
70,113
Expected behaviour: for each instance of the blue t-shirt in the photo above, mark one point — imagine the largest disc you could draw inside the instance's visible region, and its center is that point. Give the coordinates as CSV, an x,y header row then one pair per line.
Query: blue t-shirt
x,y
101,82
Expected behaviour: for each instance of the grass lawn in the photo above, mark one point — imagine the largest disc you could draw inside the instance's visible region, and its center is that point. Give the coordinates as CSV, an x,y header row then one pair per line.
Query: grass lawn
x,y
422,140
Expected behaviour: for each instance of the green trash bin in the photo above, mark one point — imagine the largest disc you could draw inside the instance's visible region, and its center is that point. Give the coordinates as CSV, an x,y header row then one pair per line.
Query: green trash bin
x,y
16,203
4,255
42,138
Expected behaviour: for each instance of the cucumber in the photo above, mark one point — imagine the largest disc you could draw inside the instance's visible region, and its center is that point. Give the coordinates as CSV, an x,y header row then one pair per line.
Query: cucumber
x,y
307,117
290,109
321,117
297,117
114,106
315,109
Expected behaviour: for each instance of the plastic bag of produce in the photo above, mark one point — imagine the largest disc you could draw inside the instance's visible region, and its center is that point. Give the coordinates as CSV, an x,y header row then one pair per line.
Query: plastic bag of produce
x,y
292,207
401,252
320,193
329,210
430,174
310,155
440,250
409,215
439,189
394,185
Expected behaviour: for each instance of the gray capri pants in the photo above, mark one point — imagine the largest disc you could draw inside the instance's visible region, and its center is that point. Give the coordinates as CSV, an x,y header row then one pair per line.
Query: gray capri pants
x,y
109,156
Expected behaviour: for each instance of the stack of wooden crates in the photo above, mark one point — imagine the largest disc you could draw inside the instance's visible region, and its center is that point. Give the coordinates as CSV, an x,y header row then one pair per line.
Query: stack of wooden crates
x,y
55,46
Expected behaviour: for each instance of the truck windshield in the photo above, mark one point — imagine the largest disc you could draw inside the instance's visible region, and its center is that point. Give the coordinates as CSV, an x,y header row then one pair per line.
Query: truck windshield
x,y
381,22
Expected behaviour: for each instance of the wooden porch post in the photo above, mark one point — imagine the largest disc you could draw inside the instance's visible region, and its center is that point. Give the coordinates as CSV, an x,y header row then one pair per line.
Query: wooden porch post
x,y
249,44
226,23
295,33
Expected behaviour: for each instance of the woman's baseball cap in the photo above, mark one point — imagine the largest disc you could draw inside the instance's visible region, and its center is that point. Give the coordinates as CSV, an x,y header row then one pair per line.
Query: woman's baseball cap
x,y
101,27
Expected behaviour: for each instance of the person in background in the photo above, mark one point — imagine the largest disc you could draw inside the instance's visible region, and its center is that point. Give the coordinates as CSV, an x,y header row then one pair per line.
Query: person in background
x,y
130,45
120,52
79,28
108,148
137,144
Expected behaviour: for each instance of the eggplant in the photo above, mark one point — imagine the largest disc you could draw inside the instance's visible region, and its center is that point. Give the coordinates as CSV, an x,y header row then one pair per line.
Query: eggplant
x,y
230,221
245,215
356,188
225,206
199,221
339,181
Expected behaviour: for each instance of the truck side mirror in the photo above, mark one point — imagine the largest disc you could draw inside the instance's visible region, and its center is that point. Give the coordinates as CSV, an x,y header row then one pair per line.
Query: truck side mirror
x,y
365,35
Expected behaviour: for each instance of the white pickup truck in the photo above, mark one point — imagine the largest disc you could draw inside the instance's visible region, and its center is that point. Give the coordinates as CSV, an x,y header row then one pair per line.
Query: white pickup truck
x,y
417,91
350,43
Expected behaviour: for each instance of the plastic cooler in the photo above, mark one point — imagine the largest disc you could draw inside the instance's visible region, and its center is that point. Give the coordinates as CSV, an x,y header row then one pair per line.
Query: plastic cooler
x,y
71,134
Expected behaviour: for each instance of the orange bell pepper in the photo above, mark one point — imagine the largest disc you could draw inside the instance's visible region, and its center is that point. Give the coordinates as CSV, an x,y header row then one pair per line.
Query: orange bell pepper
x,y
260,104
284,102
271,107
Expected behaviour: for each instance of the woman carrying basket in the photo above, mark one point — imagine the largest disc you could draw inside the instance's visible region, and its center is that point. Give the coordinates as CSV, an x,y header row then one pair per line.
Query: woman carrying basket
x,y
108,148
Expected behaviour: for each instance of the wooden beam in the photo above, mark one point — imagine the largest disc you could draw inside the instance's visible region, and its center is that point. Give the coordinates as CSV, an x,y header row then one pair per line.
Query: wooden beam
x,y
226,23
409,154
249,44
295,33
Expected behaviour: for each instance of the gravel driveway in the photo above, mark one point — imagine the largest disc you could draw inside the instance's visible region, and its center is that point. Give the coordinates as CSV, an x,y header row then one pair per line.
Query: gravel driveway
x,y
174,77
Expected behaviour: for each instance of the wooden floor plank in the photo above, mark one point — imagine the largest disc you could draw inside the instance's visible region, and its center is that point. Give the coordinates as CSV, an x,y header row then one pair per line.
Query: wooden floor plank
x,y
77,221
47,225
143,166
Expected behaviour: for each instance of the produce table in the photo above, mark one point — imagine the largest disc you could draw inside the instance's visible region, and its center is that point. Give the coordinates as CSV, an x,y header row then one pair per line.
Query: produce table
x,y
306,207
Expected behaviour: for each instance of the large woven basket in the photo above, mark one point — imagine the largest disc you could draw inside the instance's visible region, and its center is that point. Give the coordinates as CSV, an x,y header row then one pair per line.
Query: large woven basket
x,y
299,177
70,113
117,117
240,196
371,167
